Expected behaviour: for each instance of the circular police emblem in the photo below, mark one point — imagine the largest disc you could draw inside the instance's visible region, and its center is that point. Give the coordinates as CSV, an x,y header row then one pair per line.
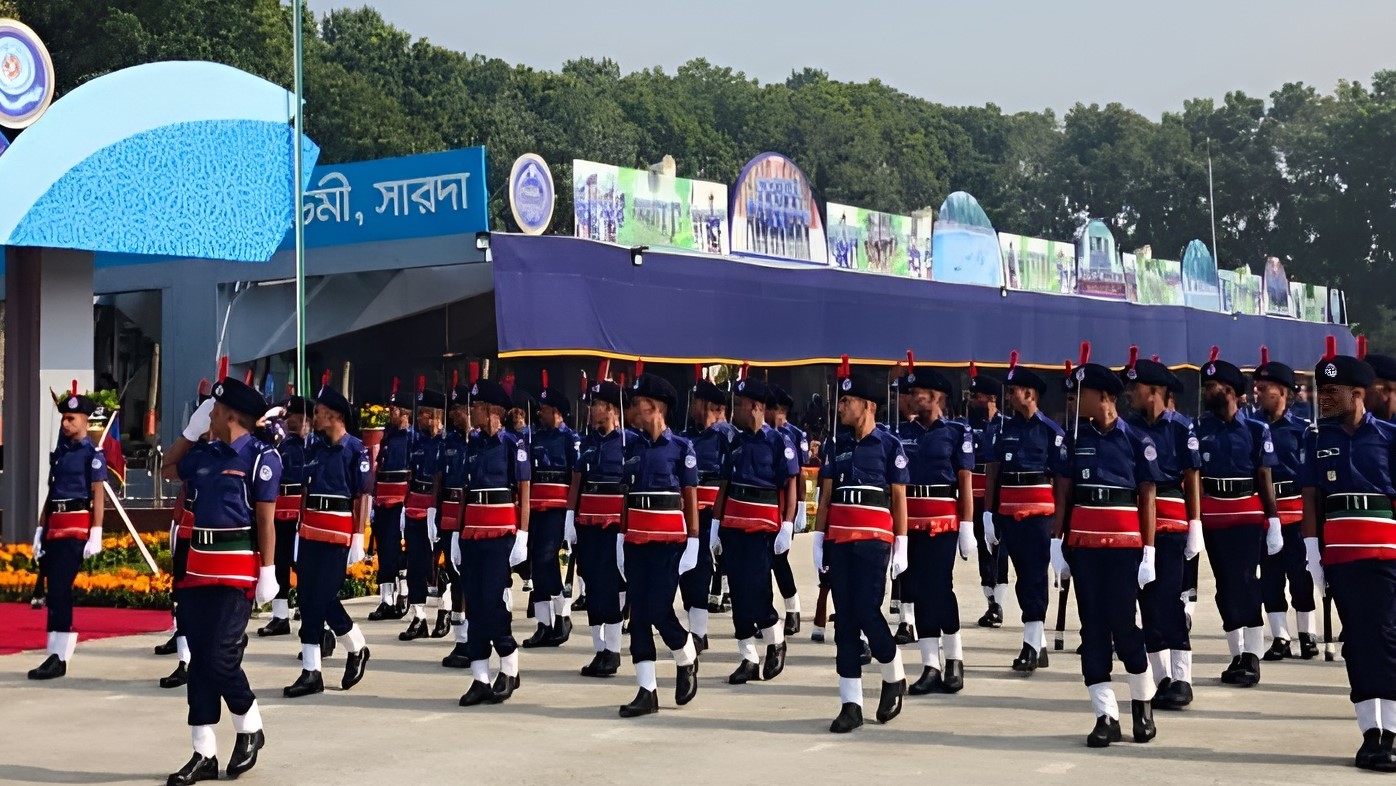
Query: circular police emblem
x,y
899,462
421,396
967,446
1211,369
363,466
474,390
1010,373
804,444
96,463
596,388
26,75
789,453
531,194
690,461
73,402
741,385
264,473
1008,457
1080,373
1150,454
1059,440
1330,371
1193,443
1132,374
522,455
543,396
1070,384
910,378
218,389
846,384
1206,456
1269,447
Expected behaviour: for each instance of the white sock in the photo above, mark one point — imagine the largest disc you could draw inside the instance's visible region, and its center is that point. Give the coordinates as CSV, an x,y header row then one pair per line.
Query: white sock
x,y
1000,592
622,598
598,638
908,612
774,634
543,613
561,608
419,611
353,641
792,604
747,649
930,652
1182,666
1034,635
280,609
509,664
893,671
612,631
1141,686
310,657
1368,714
951,646
249,721
1254,639
644,675
1388,715
698,621
1277,625
851,691
1158,664
480,670
385,593
1103,700
988,593
462,631
1306,621
686,655
509,599
1233,641
1189,606
182,645
447,600
205,744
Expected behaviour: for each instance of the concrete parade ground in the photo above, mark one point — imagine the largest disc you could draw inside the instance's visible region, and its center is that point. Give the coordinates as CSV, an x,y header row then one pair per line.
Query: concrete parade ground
x,y
109,722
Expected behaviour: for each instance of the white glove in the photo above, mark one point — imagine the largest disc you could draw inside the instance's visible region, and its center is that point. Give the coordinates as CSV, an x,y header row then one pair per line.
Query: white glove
x,y
801,518
1059,565
1314,563
431,525
991,536
714,539
272,414
199,421
898,555
356,548
1146,567
39,542
689,560
819,553
455,548
1274,536
94,543
266,584
968,545
520,551
787,531
569,528
1195,543
620,555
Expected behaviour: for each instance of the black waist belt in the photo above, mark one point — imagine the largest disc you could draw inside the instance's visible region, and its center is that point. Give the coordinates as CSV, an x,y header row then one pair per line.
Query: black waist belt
x,y
1023,478
710,478
69,505
601,487
931,492
329,504
871,498
203,536
420,487
752,494
1100,496
551,476
980,469
490,497
393,475
1285,488
1228,488
453,495
1168,491
639,500
292,489
1350,503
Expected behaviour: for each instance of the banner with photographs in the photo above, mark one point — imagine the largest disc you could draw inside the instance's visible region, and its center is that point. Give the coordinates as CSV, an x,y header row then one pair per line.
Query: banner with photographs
x,y
1031,264
1200,281
774,213
1248,294
1337,306
634,207
874,242
1130,264
965,247
1226,289
1277,300
1160,282
1311,301
1099,271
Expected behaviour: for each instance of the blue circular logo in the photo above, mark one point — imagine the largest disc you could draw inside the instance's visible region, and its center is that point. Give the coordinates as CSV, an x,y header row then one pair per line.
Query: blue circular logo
x,y
26,75
531,194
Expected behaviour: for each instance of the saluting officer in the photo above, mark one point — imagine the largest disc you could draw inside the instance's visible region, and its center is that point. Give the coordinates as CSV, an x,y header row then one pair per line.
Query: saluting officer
x,y
1029,453
985,421
1238,513
778,411
72,526
555,449
711,436
451,503
1177,526
1274,391
292,450
390,480
752,521
1109,490
1350,542
861,528
420,511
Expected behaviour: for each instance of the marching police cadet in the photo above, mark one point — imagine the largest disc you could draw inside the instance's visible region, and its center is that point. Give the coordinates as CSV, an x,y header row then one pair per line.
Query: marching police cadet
x,y
1381,396
390,480
862,516
1350,542
1238,513
1029,453
1177,526
420,510
711,436
778,410
985,421
493,538
1274,389
555,449
593,523
292,450
939,510
229,565
1109,489
72,526
338,483
181,530
455,450
901,604
752,521
660,543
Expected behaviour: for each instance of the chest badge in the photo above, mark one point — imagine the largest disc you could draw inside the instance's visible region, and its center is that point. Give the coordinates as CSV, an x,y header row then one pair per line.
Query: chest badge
x,y
1332,476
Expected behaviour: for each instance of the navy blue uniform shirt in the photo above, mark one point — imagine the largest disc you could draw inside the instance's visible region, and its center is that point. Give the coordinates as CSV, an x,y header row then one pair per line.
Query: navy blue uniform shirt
x,y
710,445
1122,457
229,480
73,467
875,460
425,458
1336,463
395,451
496,462
452,460
936,453
603,456
1287,433
664,464
1033,444
986,437
341,470
764,459
798,439
555,449
293,451
1234,448
1178,447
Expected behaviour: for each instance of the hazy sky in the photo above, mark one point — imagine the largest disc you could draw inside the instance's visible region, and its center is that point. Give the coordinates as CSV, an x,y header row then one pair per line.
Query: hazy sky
x,y
1019,54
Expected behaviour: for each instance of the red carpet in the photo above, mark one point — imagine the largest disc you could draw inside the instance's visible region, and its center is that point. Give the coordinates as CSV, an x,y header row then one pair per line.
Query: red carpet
x,y
22,628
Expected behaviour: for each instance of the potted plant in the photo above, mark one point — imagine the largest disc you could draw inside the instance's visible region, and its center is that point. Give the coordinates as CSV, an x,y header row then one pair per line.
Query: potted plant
x,y
373,419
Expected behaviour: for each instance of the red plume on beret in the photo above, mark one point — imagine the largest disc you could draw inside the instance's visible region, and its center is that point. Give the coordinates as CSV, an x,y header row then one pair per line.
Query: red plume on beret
x,y
75,387
421,384
1085,353
844,370
603,370
1361,346
247,378
222,368
474,371
394,391
1215,353
639,367
455,377
1264,355
1330,348
545,377
697,373
910,362
1012,360
325,379
1133,356
746,369
973,370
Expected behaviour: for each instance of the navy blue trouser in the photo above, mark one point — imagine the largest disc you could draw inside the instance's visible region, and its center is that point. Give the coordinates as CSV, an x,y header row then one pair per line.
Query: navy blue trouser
x,y
595,553
1365,593
320,573
857,573
1234,554
62,559
418,555
993,565
284,556
484,575
387,531
214,620
1029,546
652,573
1289,565
693,585
180,560
544,542
929,582
748,560
785,577
1107,584
1161,601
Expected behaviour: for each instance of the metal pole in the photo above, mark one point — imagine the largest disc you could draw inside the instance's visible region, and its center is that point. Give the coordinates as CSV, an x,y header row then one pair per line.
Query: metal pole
x,y
299,189
1212,204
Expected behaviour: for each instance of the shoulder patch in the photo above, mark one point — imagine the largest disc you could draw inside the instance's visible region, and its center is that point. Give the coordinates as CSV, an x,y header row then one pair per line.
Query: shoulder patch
x,y
1060,438
1193,444
264,473
789,453
96,462
690,461
522,455
363,466
1150,454
900,462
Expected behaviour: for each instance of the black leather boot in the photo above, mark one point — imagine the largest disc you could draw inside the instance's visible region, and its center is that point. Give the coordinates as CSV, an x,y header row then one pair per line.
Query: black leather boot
x,y
1250,671
890,705
686,684
792,623
1106,731
354,665
1027,660
479,693
177,677
442,626
1144,729
850,717
1371,748
540,635
457,659
52,668
746,672
775,661
561,632
382,612
245,750
929,682
1279,650
1174,697
416,629
504,687
953,680
307,683
646,702
168,648
1308,646
198,768
906,634
276,627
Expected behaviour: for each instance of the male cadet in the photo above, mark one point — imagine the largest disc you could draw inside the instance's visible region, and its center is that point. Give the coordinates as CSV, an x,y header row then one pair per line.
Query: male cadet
x,y
1381,396
1109,490
1350,542
754,519
338,484
661,542
711,436
390,481
778,410
555,449
939,510
1274,388
421,509
1177,526
451,502
292,451
1029,452
493,538
71,530
229,566
596,500
862,516
985,421
1238,513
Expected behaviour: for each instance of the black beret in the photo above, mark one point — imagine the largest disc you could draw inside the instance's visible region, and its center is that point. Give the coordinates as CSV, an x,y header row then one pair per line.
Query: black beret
x,y
487,391
522,399
1019,377
1278,373
1344,370
297,405
237,396
606,391
926,379
779,398
460,396
431,399
1383,366
81,405
656,388
332,399
703,390
754,389
1094,376
978,383
1225,373
399,398
866,385
1152,372
552,397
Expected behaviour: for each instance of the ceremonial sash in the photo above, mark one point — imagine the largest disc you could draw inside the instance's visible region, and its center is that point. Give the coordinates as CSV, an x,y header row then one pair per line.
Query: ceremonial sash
x,y
932,509
1356,527
1170,511
448,520
600,504
221,557
1030,497
489,513
549,490
751,509
1289,503
655,517
328,519
417,504
859,513
68,519
390,487
1230,502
